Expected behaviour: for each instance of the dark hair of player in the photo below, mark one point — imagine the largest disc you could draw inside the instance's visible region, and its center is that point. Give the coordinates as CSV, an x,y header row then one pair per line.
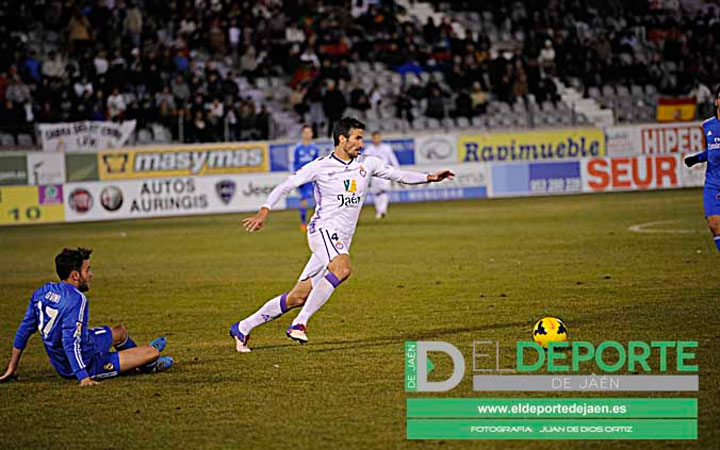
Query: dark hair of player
x,y
717,91
68,260
343,127
307,125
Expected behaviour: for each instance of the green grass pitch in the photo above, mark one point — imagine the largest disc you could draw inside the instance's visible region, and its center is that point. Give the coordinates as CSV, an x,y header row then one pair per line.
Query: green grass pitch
x,y
454,271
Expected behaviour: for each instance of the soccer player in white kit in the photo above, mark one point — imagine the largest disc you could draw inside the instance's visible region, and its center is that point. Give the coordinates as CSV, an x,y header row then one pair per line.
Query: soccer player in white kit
x,y
341,183
381,186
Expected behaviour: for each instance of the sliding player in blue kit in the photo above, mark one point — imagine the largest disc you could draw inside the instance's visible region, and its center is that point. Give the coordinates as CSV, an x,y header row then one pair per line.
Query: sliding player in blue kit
x,y
304,153
60,312
711,155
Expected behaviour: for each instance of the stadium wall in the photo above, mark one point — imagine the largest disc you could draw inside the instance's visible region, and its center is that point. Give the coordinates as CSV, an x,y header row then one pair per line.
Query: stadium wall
x,y
160,181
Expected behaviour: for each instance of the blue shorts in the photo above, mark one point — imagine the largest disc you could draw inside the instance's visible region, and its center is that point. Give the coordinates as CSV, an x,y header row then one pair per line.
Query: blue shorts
x,y
711,201
104,364
306,191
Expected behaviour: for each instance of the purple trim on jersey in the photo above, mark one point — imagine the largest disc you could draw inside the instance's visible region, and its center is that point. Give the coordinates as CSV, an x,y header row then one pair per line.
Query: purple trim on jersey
x,y
332,279
326,247
318,208
283,303
340,160
331,242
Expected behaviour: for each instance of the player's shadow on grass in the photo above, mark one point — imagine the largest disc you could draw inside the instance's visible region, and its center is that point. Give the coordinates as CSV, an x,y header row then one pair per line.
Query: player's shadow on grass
x,y
379,341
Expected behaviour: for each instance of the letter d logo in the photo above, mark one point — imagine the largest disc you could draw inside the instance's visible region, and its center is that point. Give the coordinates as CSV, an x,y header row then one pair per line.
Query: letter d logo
x,y
422,349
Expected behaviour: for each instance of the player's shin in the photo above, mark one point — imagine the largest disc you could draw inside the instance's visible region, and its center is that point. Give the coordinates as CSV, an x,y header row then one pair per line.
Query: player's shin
x,y
320,294
272,309
127,344
381,203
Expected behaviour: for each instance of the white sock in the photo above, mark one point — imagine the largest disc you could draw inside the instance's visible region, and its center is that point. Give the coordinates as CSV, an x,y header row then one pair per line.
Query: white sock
x,y
381,203
270,310
321,292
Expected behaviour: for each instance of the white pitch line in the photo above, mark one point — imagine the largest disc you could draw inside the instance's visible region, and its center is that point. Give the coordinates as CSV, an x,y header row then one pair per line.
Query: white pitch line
x,y
642,228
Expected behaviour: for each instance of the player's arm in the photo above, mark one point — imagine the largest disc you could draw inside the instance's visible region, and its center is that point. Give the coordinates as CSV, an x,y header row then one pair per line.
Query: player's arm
x,y
406,177
27,327
306,174
72,326
698,158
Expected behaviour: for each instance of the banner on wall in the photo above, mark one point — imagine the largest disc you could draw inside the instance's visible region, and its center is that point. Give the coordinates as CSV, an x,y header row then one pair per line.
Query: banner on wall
x,y
632,173
436,149
210,159
282,154
24,205
127,199
651,139
84,136
45,168
13,169
521,179
532,146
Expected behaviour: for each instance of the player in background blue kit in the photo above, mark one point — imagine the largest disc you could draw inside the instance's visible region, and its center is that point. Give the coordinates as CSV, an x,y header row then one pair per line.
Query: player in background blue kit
x,y
60,312
711,155
305,152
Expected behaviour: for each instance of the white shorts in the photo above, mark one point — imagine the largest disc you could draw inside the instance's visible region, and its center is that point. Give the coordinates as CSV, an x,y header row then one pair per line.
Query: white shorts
x,y
325,245
378,185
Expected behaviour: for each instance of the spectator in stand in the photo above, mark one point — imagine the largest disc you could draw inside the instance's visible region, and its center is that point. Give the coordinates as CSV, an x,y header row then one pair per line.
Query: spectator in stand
x,y
463,106
359,99
180,90
333,105
18,92
479,98
116,106
54,66
79,32
435,105
215,118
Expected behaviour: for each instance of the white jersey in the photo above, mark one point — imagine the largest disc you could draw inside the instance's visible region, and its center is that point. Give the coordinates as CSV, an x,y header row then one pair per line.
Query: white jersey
x,y
340,189
382,151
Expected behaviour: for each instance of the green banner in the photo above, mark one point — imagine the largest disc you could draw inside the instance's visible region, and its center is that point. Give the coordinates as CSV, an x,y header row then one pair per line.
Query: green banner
x,y
617,408
410,366
81,167
551,429
13,170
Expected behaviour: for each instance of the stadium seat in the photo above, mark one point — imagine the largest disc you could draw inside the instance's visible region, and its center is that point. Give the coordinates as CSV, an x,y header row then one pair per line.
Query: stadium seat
x,y
548,106
594,93
144,136
433,124
463,122
7,140
24,140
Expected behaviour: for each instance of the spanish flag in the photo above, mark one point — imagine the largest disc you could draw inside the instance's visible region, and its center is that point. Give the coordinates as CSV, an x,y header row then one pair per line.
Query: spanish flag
x,y
676,109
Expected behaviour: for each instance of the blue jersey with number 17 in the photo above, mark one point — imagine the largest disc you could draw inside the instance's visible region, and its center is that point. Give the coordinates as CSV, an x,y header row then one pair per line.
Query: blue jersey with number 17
x,y
711,130
59,311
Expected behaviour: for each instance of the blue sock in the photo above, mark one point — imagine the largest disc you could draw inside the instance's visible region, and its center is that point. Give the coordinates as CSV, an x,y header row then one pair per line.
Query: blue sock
x,y
717,242
126,345
303,216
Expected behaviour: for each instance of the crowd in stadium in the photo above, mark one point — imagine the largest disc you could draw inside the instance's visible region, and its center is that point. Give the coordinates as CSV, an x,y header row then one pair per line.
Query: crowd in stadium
x,y
193,65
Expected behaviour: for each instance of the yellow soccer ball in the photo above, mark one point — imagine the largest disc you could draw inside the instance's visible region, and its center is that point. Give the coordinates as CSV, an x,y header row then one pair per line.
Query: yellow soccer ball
x,y
549,329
